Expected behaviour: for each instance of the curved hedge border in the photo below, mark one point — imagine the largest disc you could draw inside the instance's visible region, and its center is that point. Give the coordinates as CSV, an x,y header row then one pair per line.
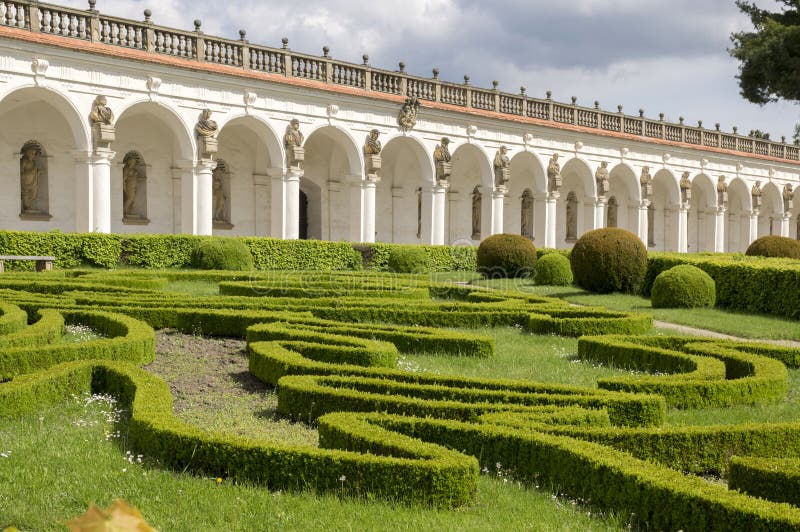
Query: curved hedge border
x,y
46,330
774,479
12,318
727,378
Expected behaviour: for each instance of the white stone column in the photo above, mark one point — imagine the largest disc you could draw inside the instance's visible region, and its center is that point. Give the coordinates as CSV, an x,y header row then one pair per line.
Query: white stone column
x,y
498,202
551,211
261,204
368,188
277,206
719,230
177,176
83,192
204,199
600,212
643,225
439,212
785,220
188,195
753,227
291,202
683,228
101,191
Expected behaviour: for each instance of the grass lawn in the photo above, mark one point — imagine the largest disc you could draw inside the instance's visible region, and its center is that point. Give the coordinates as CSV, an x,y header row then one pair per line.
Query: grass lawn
x,y
714,319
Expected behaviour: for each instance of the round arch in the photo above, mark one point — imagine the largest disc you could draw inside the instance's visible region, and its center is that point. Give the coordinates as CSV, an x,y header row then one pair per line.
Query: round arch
x,y
469,209
524,209
183,133
737,226
624,188
770,214
575,207
263,130
665,205
701,218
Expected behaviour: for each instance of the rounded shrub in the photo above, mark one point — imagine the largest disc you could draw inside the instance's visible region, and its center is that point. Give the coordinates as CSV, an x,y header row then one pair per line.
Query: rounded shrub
x,y
609,260
505,255
224,254
774,246
683,286
553,269
408,259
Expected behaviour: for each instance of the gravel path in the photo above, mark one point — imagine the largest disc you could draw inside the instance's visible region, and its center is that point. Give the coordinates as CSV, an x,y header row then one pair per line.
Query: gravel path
x,y
684,329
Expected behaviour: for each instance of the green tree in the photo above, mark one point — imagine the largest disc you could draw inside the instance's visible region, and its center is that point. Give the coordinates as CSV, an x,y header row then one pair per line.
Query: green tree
x,y
769,55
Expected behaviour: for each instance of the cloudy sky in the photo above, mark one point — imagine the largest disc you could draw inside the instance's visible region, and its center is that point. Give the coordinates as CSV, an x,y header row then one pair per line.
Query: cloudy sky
x,y
660,55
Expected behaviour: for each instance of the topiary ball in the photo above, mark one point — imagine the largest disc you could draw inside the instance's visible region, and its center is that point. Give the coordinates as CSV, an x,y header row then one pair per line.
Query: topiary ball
x,y
683,286
553,269
504,255
774,246
609,260
224,254
408,259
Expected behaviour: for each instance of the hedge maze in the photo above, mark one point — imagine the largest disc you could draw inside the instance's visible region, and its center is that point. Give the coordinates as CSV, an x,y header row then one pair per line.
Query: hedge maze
x,y
330,344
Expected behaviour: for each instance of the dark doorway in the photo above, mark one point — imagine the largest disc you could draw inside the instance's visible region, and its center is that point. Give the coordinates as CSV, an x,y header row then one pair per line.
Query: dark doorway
x,y
303,222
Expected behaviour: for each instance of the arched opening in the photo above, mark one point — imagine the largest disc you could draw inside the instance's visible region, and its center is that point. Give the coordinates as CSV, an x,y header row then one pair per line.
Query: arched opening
x,y
738,226
771,213
303,214
332,183
249,147
406,175
702,215
624,187
575,208
666,203
524,209
134,188
47,126
161,139
471,171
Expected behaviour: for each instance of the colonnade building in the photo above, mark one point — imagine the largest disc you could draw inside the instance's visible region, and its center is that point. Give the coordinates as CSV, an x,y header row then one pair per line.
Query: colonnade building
x,y
115,125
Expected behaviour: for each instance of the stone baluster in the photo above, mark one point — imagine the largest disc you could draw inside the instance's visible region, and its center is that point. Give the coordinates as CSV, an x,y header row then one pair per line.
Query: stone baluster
x,y
34,20
201,42
94,22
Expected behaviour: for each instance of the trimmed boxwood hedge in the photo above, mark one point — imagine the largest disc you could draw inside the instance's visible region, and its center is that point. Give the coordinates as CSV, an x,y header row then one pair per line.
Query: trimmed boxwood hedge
x,y
774,246
506,256
773,479
609,260
553,269
683,286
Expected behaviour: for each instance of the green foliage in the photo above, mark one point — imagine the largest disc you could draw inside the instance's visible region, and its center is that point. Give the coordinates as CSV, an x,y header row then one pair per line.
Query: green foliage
x,y
159,251
274,254
70,249
769,54
408,260
506,255
224,254
12,318
553,269
580,321
440,258
683,286
609,260
774,246
773,479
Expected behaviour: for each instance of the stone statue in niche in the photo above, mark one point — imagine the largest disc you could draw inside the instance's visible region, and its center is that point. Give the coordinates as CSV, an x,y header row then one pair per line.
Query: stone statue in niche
x,y
29,174
613,210
372,155
220,197
476,213
646,182
441,156
788,197
756,194
101,112
526,224
130,185
601,178
686,188
553,174
502,173
293,142
572,217
407,118
722,192
206,130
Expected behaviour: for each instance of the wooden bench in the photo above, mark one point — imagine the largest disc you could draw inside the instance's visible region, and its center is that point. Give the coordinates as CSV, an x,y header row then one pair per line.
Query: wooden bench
x,y
42,263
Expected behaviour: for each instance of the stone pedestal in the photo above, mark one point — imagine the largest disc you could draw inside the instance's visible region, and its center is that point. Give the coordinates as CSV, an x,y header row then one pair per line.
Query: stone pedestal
x,y
683,229
295,155
101,190
551,221
207,146
643,222
719,231
372,167
204,199
102,136
285,221
600,212
785,221
443,170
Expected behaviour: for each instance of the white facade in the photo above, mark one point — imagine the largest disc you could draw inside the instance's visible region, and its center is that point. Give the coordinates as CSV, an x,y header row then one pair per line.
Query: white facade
x,y
46,94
